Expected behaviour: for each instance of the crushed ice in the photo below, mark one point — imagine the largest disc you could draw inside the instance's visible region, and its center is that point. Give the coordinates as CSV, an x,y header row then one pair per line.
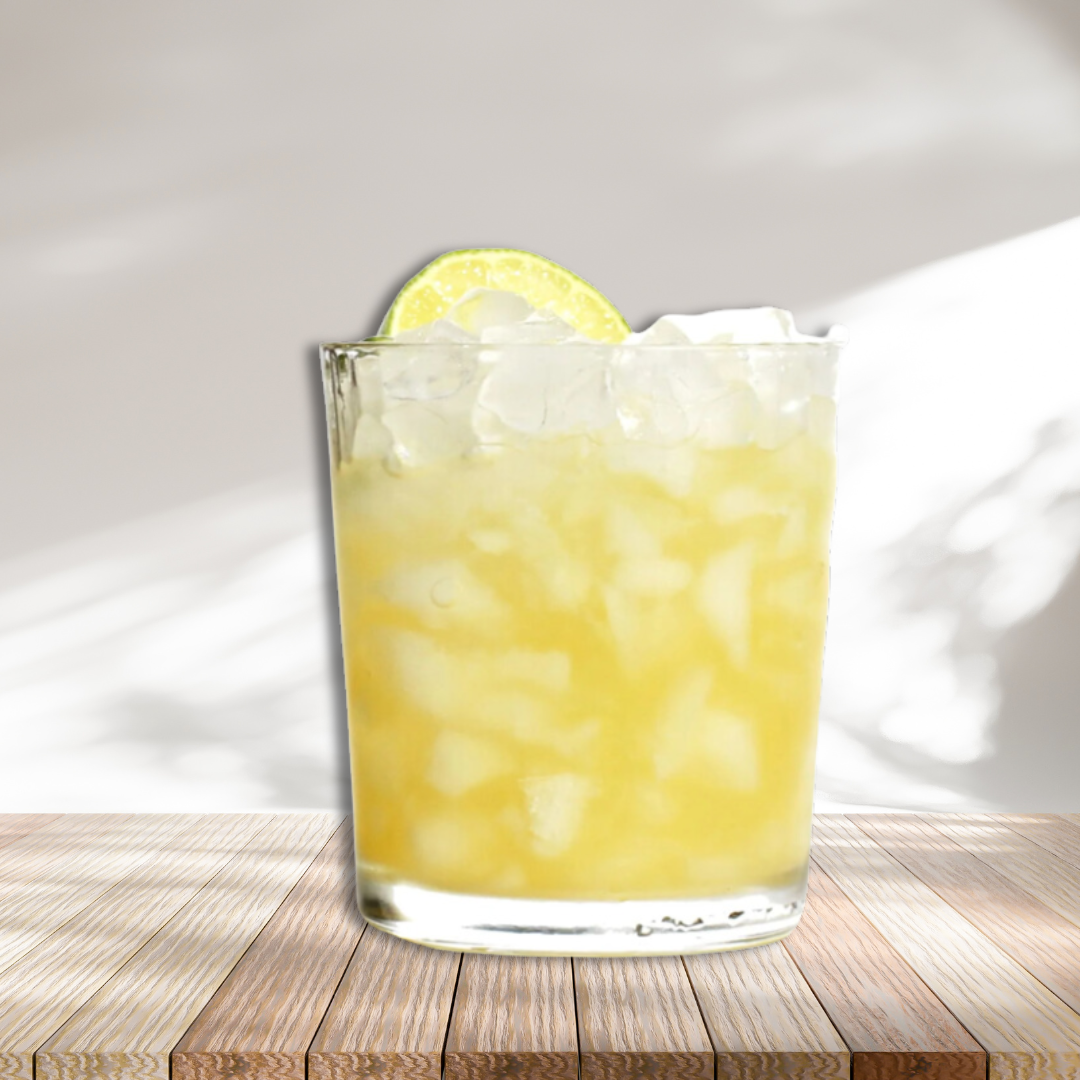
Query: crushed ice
x,y
439,400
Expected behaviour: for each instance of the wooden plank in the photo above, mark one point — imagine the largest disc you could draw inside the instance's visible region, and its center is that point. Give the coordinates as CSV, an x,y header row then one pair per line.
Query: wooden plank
x,y
1028,1033
43,989
1042,874
15,826
43,904
513,1016
894,1024
389,1016
1032,934
263,1017
127,1029
1054,832
37,852
763,1018
638,1017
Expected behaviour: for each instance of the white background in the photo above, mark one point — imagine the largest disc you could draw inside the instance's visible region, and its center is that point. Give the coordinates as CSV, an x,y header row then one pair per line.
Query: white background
x,y
194,195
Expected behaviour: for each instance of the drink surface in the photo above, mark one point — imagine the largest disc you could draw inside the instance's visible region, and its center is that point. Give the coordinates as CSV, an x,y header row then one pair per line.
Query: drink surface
x,y
585,668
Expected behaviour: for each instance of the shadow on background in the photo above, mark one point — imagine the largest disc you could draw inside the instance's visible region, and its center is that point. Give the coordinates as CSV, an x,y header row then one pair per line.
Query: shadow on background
x,y
181,662
1060,17
992,714
1036,760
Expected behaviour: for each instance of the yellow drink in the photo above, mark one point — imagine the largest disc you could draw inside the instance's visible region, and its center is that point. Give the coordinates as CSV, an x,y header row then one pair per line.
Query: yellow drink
x,y
582,668
567,681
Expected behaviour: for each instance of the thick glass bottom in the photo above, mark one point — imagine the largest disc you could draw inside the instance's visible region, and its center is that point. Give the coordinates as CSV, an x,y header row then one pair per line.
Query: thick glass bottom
x,y
496,924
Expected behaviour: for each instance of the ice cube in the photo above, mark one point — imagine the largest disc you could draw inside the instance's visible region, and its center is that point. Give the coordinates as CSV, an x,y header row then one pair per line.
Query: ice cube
x,y
781,382
693,738
584,402
556,389
653,577
545,670
517,715
439,331
731,419
646,399
749,386
679,717
428,674
540,328
662,332
481,309
724,744
451,843
724,600
491,541
369,382
462,762
735,504
627,624
734,326
556,805
424,435
672,467
821,365
629,536
566,580
576,742
444,593
821,421
514,393
654,806
371,439
646,630
430,373
670,393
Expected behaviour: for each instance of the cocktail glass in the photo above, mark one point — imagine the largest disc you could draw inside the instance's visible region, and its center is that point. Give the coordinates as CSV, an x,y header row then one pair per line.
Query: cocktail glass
x,y
583,593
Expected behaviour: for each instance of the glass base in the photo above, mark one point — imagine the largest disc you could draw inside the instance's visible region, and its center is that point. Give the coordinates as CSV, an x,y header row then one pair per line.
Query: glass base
x,y
496,924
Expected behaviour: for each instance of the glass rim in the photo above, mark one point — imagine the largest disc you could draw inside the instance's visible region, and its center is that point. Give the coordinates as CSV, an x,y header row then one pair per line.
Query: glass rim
x,y
690,346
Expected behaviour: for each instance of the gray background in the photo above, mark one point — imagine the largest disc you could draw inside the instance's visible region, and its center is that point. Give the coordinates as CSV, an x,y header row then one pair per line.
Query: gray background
x,y
193,195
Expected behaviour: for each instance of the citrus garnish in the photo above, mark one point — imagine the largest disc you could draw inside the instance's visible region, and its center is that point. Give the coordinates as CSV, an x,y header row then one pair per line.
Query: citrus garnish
x,y
442,283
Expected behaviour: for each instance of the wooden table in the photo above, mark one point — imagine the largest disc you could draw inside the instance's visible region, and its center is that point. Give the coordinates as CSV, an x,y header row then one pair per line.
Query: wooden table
x,y
200,947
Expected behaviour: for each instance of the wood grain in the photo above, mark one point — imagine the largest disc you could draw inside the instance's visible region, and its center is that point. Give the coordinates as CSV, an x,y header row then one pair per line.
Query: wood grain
x,y
513,1017
1054,832
15,826
763,1018
895,1026
1057,833
389,1016
37,852
41,905
1039,872
1027,1031
638,1017
43,989
213,943
1033,935
262,1019
127,1029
